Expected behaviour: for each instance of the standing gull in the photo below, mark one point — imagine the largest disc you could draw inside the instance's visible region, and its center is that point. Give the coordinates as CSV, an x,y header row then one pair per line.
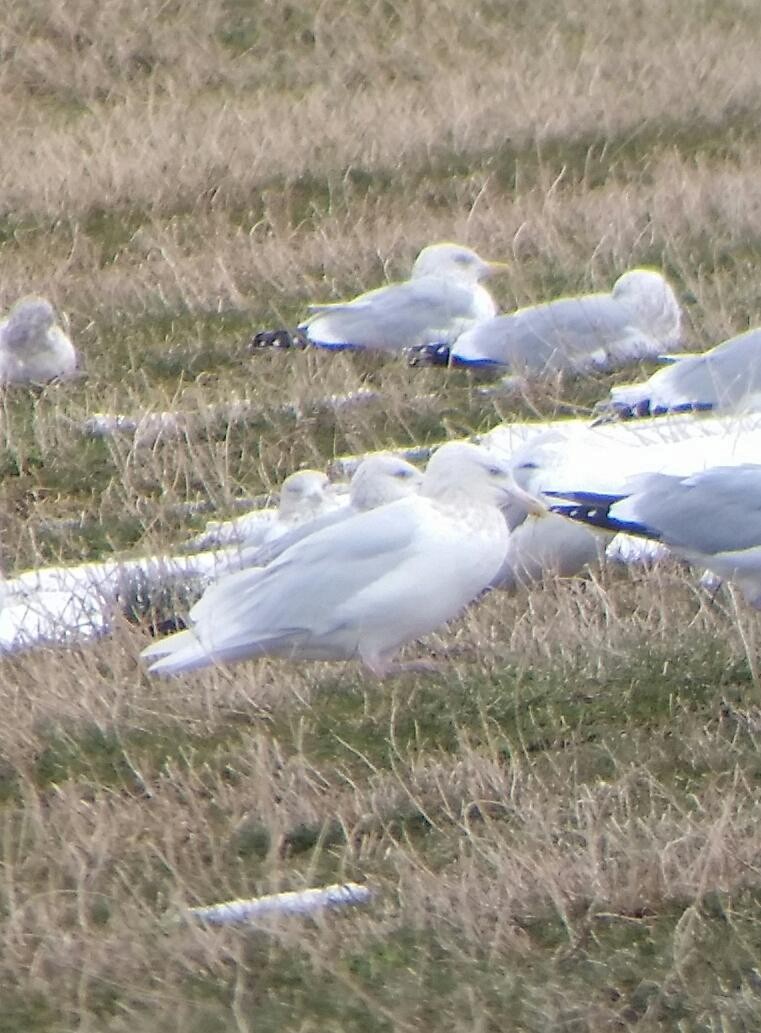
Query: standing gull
x,y
638,319
363,588
33,347
442,298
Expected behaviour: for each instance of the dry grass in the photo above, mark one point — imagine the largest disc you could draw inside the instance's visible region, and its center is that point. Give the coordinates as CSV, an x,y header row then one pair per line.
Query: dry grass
x,y
562,827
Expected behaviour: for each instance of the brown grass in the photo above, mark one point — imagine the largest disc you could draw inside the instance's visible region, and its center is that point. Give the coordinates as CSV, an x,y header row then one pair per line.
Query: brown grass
x,y
562,828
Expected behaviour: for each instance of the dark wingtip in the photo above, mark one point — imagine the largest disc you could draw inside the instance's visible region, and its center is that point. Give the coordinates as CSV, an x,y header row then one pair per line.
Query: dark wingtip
x,y
429,355
609,411
167,626
597,514
266,340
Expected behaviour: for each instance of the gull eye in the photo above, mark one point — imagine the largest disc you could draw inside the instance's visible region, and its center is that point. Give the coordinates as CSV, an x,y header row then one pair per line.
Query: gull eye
x,y
495,471
403,473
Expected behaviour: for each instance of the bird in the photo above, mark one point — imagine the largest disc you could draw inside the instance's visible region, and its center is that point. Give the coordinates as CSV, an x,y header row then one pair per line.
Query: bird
x,y
540,543
711,518
441,299
304,495
378,479
362,588
640,317
727,377
570,456
33,347
545,545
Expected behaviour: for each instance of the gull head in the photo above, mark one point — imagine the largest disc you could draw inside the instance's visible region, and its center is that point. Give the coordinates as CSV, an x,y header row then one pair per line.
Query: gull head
x,y
304,494
652,302
381,479
454,262
28,318
468,474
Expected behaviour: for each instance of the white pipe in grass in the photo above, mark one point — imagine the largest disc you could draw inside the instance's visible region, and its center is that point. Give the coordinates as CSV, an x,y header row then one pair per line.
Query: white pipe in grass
x,y
295,902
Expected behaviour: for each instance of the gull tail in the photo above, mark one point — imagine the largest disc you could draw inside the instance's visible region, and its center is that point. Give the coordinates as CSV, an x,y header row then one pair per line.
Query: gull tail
x,y
183,651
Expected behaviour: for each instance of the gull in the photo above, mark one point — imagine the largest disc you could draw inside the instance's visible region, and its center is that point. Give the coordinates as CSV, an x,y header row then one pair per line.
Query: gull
x,y
364,587
638,319
442,298
378,479
726,377
540,543
711,518
545,545
570,455
33,347
304,495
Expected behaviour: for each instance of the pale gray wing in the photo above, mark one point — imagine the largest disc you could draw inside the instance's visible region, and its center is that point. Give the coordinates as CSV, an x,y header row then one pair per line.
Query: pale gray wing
x,y
262,555
720,378
302,588
718,510
421,311
571,333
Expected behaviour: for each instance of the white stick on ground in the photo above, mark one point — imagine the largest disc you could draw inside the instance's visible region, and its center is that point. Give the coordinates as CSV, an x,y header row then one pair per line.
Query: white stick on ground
x,y
298,902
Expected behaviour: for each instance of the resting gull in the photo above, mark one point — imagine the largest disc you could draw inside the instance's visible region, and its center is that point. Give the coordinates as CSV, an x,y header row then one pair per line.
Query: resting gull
x,y
362,588
378,480
726,377
304,495
640,318
442,298
33,347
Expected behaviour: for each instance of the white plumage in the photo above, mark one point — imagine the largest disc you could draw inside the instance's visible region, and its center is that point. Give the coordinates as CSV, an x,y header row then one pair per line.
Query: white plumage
x,y
33,347
639,318
362,588
304,495
378,479
442,298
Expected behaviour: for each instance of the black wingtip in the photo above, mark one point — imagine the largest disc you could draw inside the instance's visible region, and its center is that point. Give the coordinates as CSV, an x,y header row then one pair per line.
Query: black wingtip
x,y
429,355
272,340
610,411
597,514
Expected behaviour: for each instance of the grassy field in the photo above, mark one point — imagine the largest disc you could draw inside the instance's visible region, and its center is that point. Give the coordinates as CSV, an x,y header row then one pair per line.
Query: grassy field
x,y
562,829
